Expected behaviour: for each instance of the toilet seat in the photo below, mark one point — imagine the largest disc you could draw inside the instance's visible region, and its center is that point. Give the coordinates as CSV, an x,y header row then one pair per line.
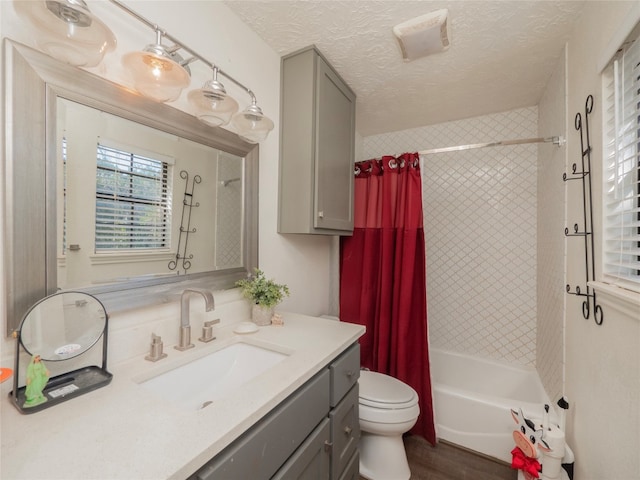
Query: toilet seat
x,y
382,391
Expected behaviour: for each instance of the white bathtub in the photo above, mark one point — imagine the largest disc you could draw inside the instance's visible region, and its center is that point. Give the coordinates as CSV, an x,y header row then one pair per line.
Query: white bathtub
x,y
473,397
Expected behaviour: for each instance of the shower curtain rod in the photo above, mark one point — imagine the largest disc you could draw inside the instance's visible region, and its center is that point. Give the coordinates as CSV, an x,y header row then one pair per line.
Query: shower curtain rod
x,y
556,140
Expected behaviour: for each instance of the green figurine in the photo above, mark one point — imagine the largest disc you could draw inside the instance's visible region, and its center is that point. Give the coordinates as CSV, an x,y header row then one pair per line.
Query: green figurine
x,y
37,378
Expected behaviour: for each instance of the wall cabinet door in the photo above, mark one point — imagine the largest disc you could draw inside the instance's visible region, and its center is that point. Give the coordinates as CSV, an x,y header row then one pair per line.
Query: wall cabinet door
x,y
317,147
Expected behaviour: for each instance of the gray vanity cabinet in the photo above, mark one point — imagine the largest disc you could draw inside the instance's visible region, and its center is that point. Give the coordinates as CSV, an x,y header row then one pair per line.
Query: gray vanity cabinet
x,y
317,146
313,434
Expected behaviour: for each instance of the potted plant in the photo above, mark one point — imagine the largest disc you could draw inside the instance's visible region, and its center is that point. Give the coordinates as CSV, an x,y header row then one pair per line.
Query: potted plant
x,y
264,294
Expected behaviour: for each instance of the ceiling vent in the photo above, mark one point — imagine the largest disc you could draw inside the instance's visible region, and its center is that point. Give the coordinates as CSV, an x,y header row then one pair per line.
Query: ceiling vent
x,y
423,35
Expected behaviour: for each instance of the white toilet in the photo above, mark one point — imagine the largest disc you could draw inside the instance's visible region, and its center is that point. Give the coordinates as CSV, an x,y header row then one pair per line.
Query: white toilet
x,y
388,408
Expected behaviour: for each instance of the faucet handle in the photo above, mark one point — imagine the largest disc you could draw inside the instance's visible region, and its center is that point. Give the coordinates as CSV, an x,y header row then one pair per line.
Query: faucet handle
x,y
155,352
207,330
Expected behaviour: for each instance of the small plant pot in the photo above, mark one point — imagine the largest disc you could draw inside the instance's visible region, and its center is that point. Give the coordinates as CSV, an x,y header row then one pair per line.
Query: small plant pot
x,y
261,315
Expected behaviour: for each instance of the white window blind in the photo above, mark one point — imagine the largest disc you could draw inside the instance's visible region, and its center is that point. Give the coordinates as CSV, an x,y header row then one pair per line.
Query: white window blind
x,y
133,201
621,262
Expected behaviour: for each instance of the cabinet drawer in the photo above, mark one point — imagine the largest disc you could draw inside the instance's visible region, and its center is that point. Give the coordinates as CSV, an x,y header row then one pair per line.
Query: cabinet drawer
x,y
311,461
345,371
259,453
352,472
345,432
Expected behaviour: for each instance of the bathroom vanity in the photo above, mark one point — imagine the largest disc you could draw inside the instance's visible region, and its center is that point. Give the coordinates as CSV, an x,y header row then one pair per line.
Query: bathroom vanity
x,y
314,431
299,414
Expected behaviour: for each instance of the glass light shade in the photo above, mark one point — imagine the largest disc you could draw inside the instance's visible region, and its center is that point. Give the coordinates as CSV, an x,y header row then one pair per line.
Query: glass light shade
x,y
213,105
155,74
68,31
251,124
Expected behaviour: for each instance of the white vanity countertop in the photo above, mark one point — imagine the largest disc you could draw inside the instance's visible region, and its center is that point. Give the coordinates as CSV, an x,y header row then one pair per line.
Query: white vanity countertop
x,y
122,431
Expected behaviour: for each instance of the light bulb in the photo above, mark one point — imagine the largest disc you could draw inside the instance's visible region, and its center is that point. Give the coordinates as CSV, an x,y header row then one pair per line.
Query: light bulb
x,y
155,74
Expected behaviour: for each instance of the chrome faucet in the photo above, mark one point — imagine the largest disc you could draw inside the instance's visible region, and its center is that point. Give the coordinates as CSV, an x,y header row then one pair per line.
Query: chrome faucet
x,y
185,327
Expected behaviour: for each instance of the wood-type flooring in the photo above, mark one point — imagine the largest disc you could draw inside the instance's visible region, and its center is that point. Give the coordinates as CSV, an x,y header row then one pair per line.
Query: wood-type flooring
x,y
449,462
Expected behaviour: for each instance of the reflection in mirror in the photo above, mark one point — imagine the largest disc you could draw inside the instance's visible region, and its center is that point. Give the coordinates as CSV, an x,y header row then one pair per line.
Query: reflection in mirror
x,y
63,326
134,201
53,245
59,327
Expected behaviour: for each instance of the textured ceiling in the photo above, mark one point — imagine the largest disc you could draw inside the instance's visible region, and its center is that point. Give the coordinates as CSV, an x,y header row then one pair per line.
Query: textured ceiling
x,y
501,56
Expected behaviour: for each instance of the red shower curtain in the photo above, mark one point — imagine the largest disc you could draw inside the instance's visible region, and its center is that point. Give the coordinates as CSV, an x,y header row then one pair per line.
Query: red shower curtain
x,y
382,276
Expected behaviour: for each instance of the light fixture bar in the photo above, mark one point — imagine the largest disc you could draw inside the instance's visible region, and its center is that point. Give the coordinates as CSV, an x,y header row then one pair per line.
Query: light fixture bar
x,y
181,45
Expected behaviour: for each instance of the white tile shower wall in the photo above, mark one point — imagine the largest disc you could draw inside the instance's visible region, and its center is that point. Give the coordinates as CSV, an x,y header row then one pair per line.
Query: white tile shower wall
x,y
480,228
229,212
551,241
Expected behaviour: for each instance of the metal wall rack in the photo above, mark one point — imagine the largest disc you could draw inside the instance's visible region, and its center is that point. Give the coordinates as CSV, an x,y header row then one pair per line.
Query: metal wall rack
x,y
185,222
583,174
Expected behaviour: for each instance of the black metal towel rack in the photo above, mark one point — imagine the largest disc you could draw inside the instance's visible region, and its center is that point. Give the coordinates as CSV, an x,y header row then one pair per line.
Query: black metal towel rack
x,y
590,303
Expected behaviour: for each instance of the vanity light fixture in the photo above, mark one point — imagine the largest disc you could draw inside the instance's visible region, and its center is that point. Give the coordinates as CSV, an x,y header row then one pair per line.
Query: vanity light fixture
x,y
251,124
68,31
212,103
158,72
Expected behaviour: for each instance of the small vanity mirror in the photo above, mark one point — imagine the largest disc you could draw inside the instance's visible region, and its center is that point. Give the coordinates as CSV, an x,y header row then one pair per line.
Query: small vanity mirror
x,y
59,328
63,326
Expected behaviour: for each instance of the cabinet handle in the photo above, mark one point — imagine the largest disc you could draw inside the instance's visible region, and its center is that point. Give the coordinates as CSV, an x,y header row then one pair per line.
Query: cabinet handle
x,y
347,430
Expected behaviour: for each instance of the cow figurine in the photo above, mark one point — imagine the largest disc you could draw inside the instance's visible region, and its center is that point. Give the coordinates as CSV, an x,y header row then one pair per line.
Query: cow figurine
x,y
529,445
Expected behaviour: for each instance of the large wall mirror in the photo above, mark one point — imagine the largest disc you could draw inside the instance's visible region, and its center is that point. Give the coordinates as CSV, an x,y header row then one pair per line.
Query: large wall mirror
x,y
115,195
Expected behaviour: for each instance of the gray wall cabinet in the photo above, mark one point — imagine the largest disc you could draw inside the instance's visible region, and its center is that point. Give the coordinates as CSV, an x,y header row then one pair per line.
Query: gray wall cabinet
x,y
313,434
317,145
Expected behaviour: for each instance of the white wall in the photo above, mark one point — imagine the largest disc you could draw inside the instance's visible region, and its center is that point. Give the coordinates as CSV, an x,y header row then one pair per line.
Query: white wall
x,y
480,230
602,362
551,295
211,29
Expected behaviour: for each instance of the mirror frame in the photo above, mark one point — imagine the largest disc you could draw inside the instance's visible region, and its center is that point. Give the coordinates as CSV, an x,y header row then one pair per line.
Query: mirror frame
x,y
33,82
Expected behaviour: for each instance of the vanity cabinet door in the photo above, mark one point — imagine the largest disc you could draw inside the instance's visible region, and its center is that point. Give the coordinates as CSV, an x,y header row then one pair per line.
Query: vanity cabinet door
x,y
317,147
312,460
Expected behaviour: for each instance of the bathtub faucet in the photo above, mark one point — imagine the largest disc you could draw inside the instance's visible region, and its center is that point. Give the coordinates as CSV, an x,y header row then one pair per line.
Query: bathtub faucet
x,y
185,326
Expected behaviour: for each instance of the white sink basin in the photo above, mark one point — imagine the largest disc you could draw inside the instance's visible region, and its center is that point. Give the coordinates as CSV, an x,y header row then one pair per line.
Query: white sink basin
x,y
199,383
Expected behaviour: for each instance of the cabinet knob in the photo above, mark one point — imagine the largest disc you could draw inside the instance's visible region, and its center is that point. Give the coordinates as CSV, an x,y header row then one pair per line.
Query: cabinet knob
x,y
320,214
347,430
349,373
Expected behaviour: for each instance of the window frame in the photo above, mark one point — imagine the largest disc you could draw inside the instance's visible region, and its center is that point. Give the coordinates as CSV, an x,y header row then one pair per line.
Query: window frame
x,y
621,215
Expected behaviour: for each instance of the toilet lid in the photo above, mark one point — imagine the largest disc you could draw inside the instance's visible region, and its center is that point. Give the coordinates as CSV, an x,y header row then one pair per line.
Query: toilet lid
x,y
383,391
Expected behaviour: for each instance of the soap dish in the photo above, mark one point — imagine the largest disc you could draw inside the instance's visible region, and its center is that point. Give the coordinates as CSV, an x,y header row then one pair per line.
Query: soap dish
x,y
246,327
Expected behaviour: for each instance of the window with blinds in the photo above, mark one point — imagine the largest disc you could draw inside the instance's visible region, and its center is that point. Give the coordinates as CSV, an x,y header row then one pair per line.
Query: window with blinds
x,y
133,202
621,242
